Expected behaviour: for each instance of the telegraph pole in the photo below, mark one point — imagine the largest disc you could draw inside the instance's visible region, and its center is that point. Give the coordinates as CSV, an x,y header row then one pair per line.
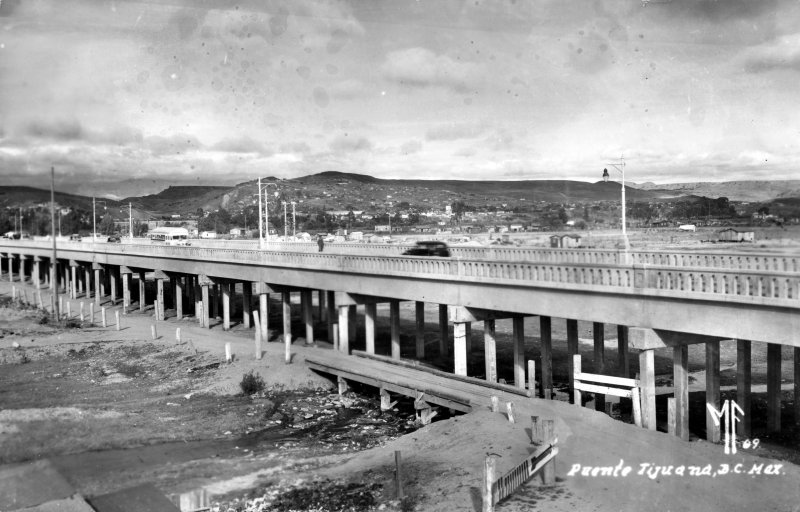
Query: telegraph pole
x,y
53,259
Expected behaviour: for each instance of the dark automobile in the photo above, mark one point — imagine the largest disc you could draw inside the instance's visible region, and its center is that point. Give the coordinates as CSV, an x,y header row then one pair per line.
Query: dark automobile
x,y
114,239
429,248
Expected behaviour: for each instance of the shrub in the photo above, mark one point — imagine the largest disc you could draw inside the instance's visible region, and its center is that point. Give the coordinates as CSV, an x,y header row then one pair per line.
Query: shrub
x,y
251,383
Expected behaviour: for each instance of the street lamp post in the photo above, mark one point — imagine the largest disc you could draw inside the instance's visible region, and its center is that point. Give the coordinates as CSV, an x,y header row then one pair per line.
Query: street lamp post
x,y
285,224
620,167
294,218
94,217
263,224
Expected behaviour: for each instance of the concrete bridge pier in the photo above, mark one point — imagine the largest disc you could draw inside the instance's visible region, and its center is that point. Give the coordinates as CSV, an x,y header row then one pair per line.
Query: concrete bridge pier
x,y
419,313
680,383
712,389
160,277
546,336
518,337
73,289
189,291
773,387
35,272
247,302
647,381
204,306
394,323
572,349
370,315
459,347
177,292
321,313
489,350
126,289
743,377
113,274
444,341
263,309
98,284
22,259
306,300
225,290
87,281
331,316
344,328
623,357
598,331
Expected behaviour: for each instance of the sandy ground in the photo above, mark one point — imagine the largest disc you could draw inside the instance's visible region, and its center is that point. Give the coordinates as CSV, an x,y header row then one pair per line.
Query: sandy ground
x,y
443,462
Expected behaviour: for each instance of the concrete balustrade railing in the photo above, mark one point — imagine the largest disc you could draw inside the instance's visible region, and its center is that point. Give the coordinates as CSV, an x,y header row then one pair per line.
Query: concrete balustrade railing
x,y
732,284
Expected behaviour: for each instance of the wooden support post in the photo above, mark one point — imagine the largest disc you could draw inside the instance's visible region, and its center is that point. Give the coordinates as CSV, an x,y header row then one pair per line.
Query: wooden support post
x,y
370,313
286,300
91,312
344,329
575,364
532,377
177,335
623,359
257,324
773,387
680,369
712,390
444,337
598,331
394,323
647,380
545,333
419,311
386,400
308,317
572,350
549,437
263,308
178,297
489,350
225,288
343,387
518,335
82,314
459,348
247,305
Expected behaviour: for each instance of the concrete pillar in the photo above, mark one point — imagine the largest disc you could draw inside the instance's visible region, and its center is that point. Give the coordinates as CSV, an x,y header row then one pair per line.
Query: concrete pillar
x,y
773,387
623,358
286,299
468,327
126,292
225,289
331,316
206,292
178,287
247,303
263,314
572,349
647,381
74,289
191,289
352,323
546,334
459,348
307,298
419,314
97,284
444,338
743,373
797,385
22,276
160,298
712,389
10,274
142,293
113,273
87,283
344,330
680,378
216,298
518,335
598,330
489,349
35,279
370,314
394,323
321,312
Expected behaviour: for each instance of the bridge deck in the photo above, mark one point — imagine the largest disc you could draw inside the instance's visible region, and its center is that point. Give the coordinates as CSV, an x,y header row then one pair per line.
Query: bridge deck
x,y
458,394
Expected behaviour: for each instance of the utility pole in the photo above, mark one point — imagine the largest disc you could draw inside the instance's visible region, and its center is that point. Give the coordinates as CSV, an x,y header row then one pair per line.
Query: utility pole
x,y
285,224
53,259
260,221
294,225
94,221
130,222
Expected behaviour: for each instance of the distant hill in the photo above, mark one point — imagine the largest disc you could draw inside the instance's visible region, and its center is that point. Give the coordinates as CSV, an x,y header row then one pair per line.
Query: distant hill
x,y
181,199
755,191
19,196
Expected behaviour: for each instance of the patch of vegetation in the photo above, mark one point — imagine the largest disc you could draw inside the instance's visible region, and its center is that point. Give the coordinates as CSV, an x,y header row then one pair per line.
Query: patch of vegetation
x,y
330,496
251,383
130,370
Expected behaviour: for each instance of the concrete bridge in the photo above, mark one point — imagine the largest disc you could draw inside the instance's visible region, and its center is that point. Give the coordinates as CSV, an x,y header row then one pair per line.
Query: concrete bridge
x,y
658,300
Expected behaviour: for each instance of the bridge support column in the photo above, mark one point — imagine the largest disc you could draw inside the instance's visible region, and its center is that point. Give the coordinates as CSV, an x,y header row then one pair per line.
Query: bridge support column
x,y
22,275
113,272
225,290
142,294
797,385
599,361
330,303
321,311
623,357
215,300
419,313
263,309
87,282
352,323
712,389
247,302
743,373
469,339
98,283
680,378
177,281
126,292
489,349
370,312
286,299
444,340
546,335
10,274
73,289
647,380
572,349
460,348
205,305
773,387
159,298
35,272
394,322
518,335
344,330
307,298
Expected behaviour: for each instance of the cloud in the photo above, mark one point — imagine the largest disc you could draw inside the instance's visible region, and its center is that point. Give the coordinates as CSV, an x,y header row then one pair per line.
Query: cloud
x,y
295,147
420,67
240,145
61,129
781,54
454,131
346,144
410,147
172,145
349,89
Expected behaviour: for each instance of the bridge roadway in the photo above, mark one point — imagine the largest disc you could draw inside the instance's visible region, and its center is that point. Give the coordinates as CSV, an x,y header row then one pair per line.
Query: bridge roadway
x,y
661,300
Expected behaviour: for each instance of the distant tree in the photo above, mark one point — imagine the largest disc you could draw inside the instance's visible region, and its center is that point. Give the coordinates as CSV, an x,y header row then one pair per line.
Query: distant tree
x,y
562,215
107,225
764,210
586,213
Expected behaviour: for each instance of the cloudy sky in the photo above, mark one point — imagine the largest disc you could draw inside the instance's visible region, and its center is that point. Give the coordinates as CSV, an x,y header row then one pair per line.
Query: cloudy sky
x,y
218,92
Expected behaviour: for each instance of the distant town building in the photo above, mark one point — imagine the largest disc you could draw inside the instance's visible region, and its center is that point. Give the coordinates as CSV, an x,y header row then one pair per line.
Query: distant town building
x,y
734,235
564,241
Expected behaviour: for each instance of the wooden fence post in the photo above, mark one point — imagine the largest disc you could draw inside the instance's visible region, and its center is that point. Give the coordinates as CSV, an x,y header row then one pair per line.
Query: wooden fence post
x,y
495,404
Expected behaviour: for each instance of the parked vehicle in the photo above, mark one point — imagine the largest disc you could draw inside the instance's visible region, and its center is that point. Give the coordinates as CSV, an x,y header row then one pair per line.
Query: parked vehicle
x,y
114,239
75,238
429,248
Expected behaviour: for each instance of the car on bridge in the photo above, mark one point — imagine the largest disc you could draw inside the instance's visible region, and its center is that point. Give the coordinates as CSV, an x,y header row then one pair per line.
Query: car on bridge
x,y
429,248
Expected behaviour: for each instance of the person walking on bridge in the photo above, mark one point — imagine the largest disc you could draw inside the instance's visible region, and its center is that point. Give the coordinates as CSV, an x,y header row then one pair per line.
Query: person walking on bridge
x,y
320,243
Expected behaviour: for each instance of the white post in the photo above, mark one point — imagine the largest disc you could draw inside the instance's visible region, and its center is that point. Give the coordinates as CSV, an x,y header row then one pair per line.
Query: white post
x,y
153,331
260,220
91,312
103,315
116,317
82,313
228,355
178,335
